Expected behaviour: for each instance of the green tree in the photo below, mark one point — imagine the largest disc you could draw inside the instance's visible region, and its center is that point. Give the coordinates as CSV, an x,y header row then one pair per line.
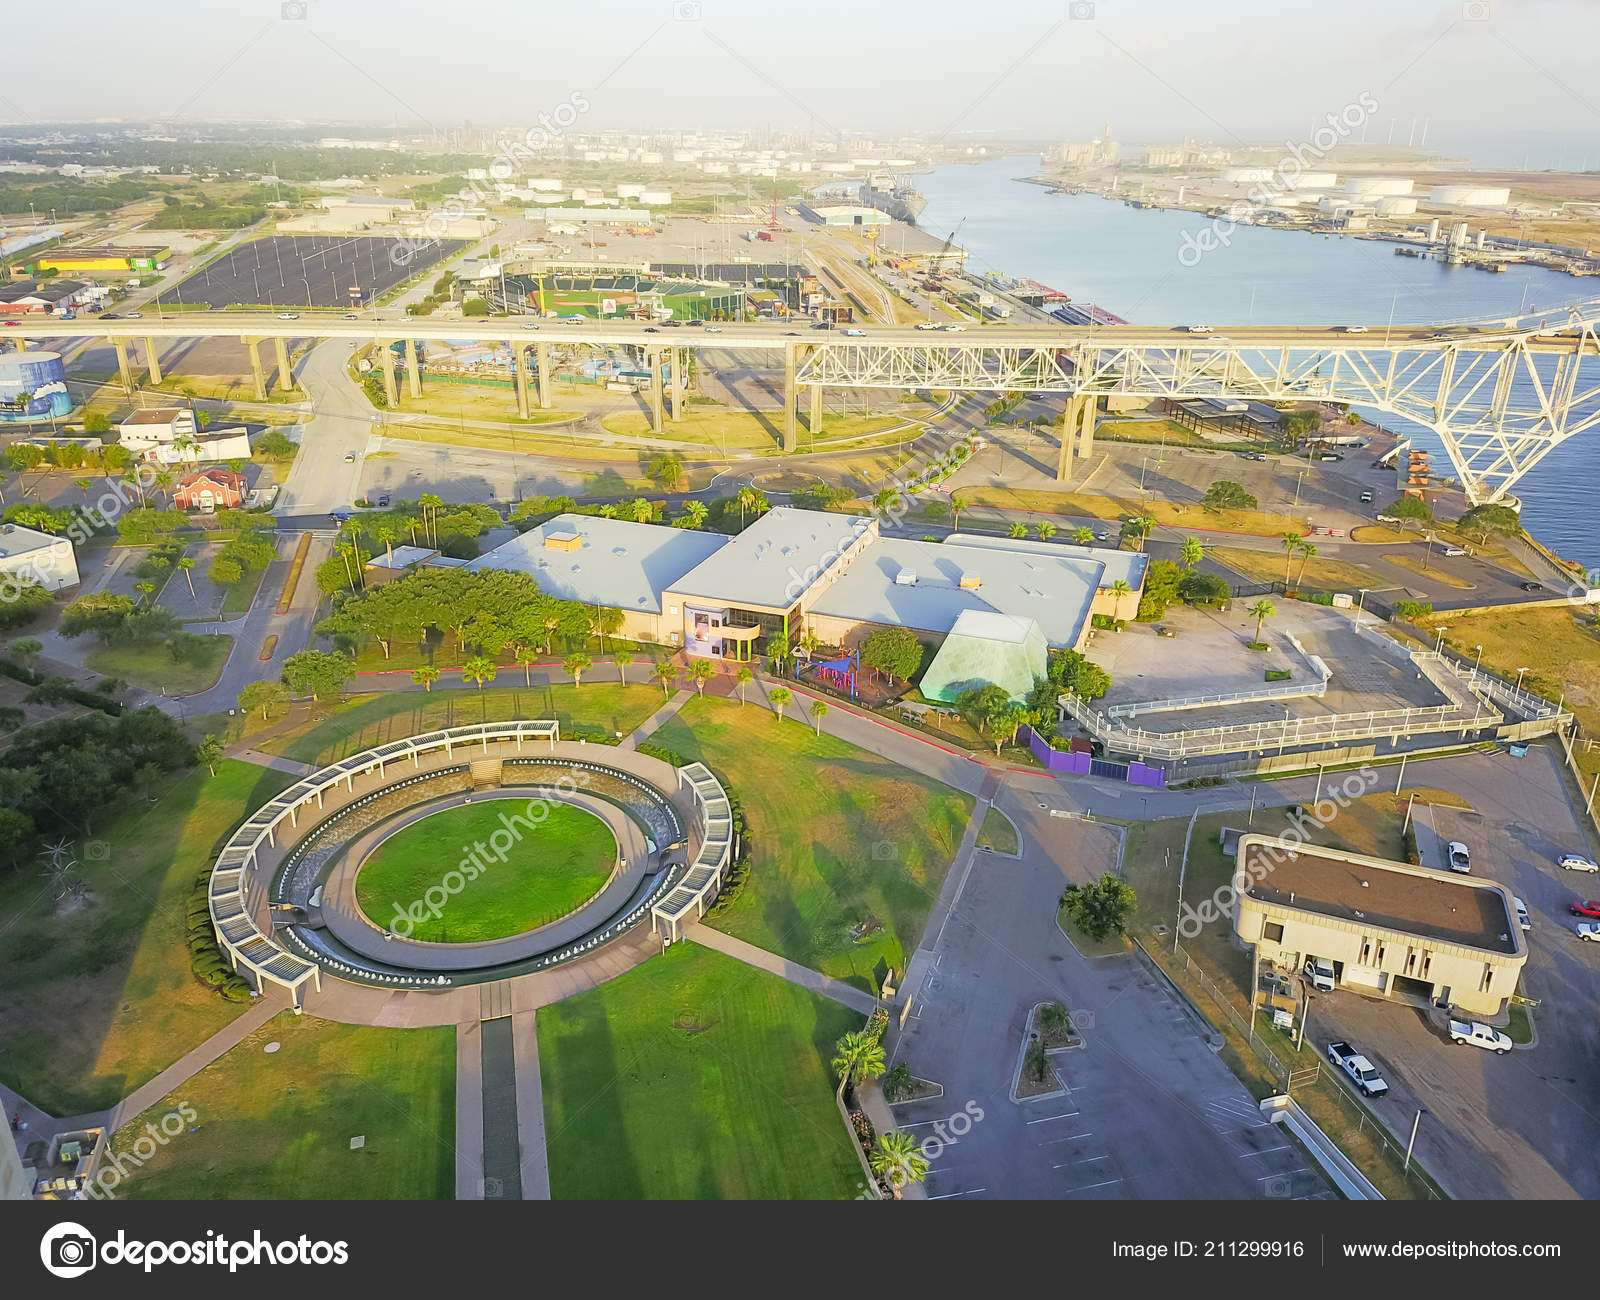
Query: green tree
x,y
622,659
694,515
1083,535
858,1056
1101,908
958,503
1225,494
1017,531
209,752
666,468
665,674
1411,508
479,670
425,676
897,1159
27,649
265,696
701,671
1046,530
186,566
818,711
893,650
317,673
1261,611
1203,589
1192,551
577,664
1291,544
781,698
1308,552
742,678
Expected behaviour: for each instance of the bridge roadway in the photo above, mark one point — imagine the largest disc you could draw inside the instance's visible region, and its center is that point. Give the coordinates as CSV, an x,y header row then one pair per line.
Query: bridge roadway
x,y
1481,336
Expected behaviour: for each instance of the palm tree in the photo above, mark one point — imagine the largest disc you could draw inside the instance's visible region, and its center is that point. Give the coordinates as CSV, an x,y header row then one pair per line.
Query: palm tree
x,y
185,564
695,512
25,649
885,500
430,503
957,505
1046,530
701,671
1290,543
746,499
478,670
163,480
425,676
781,699
1308,552
741,679
641,510
1083,536
665,673
386,530
526,655
898,1159
209,752
1119,589
147,590
82,484
1262,610
1018,531
1142,524
858,1056
576,664
819,710
622,659
609,510
1191,552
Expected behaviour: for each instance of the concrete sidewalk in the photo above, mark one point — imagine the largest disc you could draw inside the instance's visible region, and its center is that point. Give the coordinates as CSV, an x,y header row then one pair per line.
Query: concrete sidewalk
x,y
761,959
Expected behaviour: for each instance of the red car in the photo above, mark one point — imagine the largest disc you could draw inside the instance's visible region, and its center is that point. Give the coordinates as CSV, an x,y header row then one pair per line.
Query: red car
x,y
1591,908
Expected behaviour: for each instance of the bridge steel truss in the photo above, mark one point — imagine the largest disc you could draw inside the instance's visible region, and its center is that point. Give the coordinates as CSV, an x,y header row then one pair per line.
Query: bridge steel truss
x,y
1498,401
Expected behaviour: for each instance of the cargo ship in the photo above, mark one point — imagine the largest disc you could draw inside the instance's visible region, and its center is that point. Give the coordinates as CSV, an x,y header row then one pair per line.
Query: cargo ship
x,y
894,195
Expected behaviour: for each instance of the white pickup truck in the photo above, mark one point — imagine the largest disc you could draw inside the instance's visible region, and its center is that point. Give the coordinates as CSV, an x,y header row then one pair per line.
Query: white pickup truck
x,y
1362,1072
1479,1035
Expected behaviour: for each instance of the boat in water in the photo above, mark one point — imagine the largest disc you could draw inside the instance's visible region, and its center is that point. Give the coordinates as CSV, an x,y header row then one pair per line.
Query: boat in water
x,y
893,194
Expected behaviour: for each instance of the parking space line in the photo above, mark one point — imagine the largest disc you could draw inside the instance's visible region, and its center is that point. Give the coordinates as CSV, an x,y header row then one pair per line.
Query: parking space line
x,y
1053,1141
1066,1114
1265,1151
1070,1163
970,1192
1092,1186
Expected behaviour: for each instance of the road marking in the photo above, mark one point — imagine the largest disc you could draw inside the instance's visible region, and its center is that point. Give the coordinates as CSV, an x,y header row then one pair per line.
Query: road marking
x,y
1066,1114
973,1192
1069,1164
1265,1151
1092,1186
1056,1141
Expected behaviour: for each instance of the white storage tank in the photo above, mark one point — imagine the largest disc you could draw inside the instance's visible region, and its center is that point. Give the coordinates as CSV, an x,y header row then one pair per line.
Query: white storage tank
x,y
1371,187
1393,205
1471,196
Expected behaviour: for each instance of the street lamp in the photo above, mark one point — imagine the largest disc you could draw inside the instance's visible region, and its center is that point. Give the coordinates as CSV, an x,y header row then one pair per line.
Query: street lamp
x,y
1298,483
1520,671
1438,646
1359,599
1409,1145
1476,662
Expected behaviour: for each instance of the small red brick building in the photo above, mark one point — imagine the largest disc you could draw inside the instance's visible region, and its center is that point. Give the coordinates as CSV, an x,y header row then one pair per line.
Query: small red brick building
x,y
213,489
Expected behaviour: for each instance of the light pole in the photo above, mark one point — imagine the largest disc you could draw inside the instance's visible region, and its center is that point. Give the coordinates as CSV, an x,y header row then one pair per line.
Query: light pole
x,y
1413,1142
1359,599
1476,662
1520,671
1438,646
1298,483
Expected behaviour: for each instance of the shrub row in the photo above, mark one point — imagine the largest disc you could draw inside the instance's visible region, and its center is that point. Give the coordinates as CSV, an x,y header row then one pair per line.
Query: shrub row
x,y
206,959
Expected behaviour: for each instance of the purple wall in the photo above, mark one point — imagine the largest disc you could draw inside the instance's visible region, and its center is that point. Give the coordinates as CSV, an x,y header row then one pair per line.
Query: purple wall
x,y
1056,760
1139,774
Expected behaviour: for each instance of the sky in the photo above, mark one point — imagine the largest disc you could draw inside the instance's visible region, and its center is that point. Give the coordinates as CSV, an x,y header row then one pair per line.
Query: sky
x,y
1501,81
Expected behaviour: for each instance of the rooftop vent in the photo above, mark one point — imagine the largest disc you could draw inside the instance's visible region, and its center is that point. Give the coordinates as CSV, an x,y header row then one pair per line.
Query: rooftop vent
x,y
971,581
563,540
906,578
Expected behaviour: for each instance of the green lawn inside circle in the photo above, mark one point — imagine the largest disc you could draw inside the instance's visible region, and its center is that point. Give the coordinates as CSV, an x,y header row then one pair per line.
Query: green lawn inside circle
x,y
548,873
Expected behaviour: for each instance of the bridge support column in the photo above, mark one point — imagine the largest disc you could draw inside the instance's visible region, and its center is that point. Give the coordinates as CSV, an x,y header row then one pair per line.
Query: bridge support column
x,y
391,391
152,360
256,372
678,355
815,418
541,356
1086,433
790,433
1071,418
519,367
124,366
413,369
22,343
653,356
280,351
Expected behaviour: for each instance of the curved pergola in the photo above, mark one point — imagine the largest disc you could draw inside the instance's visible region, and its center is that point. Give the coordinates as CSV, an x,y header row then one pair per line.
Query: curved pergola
x,y
264,900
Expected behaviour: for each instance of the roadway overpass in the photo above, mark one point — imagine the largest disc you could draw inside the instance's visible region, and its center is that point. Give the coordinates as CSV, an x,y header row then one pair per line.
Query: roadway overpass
x,y
1498,394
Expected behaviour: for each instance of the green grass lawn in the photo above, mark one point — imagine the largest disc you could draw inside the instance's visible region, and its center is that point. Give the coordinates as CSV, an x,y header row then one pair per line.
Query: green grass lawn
x,y
150,667
95,1003
840,838
278,1126
238,596
333,731
997,832
550,872
695,1076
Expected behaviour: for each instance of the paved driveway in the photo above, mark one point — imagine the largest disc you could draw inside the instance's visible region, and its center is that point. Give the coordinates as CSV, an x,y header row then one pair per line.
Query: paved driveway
x,y
1149,1109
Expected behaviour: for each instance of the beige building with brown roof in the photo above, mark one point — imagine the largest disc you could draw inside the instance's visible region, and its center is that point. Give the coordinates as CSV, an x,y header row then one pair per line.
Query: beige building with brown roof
x,y
1388,928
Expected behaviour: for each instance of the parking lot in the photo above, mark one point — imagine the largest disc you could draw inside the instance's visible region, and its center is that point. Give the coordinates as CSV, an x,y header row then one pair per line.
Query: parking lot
x,y
292,271
1524,1125
1148,1108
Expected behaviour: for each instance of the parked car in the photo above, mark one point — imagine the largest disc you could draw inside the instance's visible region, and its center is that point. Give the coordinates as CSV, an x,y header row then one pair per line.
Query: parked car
x,y
1360,1070
1455,550
1589,931
1577,862
1585,907
1479,1035
349,458
1521,910
383,500
1533,586
1319,970
1366,496
1458,857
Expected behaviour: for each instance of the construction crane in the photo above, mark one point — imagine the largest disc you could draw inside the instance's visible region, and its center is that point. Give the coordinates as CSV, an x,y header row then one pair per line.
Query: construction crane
x,y
934,263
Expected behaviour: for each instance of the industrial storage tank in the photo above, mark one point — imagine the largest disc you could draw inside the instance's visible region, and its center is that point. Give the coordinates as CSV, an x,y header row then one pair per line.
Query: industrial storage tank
x,y
1471,196
1393,205
42,377
1311,180
1371,187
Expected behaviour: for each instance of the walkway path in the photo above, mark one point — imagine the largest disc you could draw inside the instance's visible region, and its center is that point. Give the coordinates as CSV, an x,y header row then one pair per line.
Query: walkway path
x,y
657,720
773,964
